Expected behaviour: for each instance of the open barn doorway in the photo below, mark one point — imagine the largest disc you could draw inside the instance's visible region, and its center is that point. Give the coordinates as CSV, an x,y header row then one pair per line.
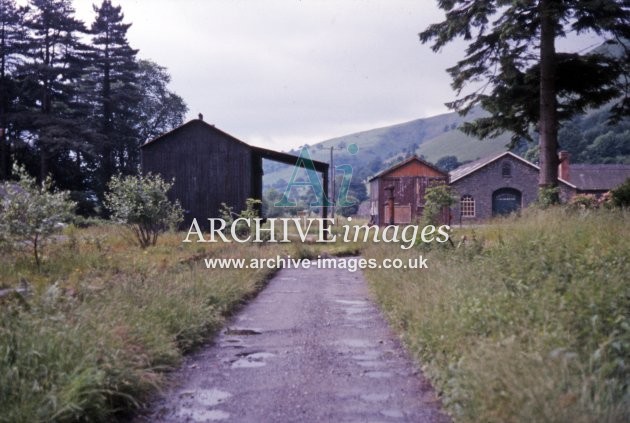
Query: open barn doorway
x,y
296,182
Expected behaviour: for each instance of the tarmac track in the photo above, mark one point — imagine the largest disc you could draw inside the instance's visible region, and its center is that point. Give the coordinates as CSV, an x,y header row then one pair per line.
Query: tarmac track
x,y
312,347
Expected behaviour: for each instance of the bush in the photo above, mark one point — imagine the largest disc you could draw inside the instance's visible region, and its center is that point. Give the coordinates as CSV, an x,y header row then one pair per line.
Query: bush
x,y
437,198
547,197
621,195
251,212
140,202
32,213
584,202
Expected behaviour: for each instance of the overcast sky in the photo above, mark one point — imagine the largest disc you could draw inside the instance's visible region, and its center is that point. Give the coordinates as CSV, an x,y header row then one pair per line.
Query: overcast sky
x,y
281,73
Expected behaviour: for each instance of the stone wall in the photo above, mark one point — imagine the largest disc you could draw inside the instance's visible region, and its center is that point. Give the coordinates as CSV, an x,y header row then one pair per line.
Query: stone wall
x,y
482,183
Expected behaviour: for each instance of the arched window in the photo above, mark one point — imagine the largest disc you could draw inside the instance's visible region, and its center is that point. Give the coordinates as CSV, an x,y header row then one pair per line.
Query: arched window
x,y
467,206
506,170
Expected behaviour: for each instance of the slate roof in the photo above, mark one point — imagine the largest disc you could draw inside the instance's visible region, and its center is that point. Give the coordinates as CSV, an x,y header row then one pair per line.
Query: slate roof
x,y
584,177
598,177
471,167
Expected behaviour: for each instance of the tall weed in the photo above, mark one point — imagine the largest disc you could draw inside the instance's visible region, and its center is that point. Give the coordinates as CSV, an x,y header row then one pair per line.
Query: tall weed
x,y
528,320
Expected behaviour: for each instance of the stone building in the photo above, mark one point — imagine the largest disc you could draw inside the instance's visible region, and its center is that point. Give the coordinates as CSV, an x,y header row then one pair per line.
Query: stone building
x,y
505,183
498,184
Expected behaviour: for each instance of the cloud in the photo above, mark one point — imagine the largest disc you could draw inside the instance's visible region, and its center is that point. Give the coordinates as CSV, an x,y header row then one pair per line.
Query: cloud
x,y
281,73
284,72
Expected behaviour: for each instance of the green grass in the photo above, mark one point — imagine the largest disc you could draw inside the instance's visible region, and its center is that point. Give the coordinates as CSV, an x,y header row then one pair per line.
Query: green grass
x,y
528,320
438,132
464,147
106,319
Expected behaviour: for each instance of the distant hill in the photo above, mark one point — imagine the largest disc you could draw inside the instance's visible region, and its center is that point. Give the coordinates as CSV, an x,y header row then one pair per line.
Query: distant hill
x,y
589,139
432,138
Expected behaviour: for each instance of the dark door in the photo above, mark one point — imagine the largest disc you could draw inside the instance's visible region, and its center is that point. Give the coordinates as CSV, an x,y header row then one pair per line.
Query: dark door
x,y
506,201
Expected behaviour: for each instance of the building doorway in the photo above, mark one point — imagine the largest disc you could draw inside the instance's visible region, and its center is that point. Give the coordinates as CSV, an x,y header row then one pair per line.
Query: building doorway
x,y
506,201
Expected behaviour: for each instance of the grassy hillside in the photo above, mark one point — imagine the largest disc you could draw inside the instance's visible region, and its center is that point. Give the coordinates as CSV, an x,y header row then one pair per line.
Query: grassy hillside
x,y
462,146
589,139
433,137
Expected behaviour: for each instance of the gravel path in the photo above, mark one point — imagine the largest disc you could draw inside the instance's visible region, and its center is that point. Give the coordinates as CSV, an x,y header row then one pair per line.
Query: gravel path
x,y
312,347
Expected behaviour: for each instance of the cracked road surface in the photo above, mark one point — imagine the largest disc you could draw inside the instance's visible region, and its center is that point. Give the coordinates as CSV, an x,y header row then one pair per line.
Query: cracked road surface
x,y
312,347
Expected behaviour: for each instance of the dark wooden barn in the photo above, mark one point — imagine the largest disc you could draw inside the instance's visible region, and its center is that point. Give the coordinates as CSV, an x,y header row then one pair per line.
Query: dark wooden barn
x,y
211,167
407,181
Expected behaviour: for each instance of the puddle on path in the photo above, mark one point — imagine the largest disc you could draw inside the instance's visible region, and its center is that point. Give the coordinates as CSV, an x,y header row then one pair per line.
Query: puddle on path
x,y
378,374
202,415
206,397
397,414
216,415
369,363
367,355
351,311
242,332
352,302
356,343
356,319
211,397
251,360
231,343
375,397
197,409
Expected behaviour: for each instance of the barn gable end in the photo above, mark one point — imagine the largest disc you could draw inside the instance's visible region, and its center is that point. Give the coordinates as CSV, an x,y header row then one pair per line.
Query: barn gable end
x,y
209,166
409,180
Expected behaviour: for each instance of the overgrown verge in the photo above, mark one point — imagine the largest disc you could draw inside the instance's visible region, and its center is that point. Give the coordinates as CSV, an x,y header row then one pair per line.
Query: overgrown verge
x,y
104,320
101,320
528,320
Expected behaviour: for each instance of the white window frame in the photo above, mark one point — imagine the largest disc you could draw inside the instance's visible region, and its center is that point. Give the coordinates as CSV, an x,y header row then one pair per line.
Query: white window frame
x,y
467,206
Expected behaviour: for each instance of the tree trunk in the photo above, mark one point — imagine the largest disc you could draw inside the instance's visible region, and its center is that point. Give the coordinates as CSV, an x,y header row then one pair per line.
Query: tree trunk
x,y
548,125
108,152
5,154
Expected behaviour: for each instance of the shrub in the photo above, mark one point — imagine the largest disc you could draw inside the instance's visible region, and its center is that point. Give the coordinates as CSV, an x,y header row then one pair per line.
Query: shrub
x,y
251,212
621,195
437,198
584,202
29,212
140,202
547,197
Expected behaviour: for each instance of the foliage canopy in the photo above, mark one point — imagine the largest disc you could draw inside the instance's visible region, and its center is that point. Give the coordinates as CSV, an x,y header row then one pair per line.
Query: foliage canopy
x,y
520,78
140,202
30,212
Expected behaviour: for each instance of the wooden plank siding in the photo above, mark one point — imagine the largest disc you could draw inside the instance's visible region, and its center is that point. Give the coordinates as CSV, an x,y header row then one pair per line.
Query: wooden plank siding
x,y
410,180
210,167
415,168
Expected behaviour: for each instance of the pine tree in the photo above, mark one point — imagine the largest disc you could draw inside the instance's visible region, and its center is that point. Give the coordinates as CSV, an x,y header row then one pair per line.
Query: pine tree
x,y
11,48
50,71
526,82
113,77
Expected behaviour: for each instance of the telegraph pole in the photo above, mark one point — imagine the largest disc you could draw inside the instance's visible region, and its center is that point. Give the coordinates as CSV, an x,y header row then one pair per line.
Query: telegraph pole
x,y
332,182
